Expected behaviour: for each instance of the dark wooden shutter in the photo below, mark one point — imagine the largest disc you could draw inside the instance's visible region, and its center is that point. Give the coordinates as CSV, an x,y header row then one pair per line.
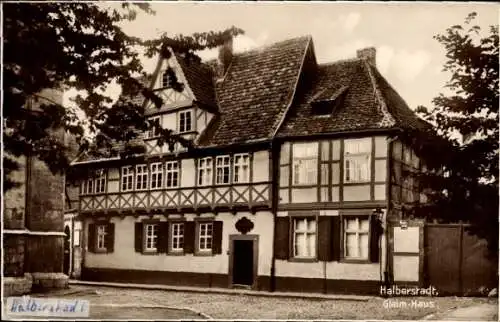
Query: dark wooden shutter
x,y
189,237
163,233
138,237
374,238
282,247
91,238
325,238
110,238
217,238
336,238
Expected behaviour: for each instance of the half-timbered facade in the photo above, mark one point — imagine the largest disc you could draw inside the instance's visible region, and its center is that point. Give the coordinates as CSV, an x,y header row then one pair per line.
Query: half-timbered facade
x,y
288,186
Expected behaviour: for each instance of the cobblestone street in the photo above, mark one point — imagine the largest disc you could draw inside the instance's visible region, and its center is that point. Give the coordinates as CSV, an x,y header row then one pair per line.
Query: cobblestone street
x,y
120,303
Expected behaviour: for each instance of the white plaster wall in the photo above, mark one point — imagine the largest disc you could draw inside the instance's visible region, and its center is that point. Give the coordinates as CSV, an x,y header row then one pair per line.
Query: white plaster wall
x,y
125,257
188,173
261,166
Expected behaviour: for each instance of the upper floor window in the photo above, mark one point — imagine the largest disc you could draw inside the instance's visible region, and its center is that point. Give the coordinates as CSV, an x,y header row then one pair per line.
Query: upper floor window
x,y
241,169
223,166
100,182
205,171
357,160
156,175
356,237
88,186
141,177
166,79
304,237
155,125
127,178
172,174
305,163
185,121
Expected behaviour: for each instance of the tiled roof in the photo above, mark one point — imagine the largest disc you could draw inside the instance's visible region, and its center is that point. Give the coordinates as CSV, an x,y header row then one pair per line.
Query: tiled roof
x,y
200,79
369,102
256,91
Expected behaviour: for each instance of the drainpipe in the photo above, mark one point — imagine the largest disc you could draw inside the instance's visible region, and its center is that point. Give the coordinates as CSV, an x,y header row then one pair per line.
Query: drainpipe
x,y
274,155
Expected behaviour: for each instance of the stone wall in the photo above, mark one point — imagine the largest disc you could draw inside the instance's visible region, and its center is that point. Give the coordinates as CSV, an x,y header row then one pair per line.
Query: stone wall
x,y
13,246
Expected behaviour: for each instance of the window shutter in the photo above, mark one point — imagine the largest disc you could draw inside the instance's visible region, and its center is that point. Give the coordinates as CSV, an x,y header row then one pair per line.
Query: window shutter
x,y
325,246
336,238
189,237
91,238
374,238
163,237
281,247
110,238
138,237
217,238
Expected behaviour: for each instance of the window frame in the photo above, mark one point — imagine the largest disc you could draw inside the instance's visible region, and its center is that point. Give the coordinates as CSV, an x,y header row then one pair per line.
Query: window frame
x,y
182,126
154,237
151,133
223,166
101,233
357,158
171,249
165,76
202,178
157,174
102,180
205,250
300,163
127,178
293,256
144,175
174,172
343,237
238,166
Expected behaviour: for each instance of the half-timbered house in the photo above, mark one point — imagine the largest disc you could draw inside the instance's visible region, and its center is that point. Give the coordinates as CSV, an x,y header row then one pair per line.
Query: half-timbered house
x,y
288,185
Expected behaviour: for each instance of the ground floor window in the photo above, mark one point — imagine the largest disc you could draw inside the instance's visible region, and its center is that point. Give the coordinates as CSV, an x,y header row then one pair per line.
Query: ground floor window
x,y
304,237
356,237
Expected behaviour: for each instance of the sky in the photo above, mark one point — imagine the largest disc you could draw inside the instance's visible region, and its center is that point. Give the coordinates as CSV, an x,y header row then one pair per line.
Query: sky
x,y
402,33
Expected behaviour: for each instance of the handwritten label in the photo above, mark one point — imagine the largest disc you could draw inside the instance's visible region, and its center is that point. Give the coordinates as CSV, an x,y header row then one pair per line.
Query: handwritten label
x,y
31,306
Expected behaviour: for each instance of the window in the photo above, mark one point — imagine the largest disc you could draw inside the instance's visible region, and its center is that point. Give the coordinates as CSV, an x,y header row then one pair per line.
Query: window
x,y
77,233
166,79
304,237
357,160
141,177
222,169
172,173
204,171
185,121
305,163
156,175
88,186
100,182
356,237
154,130
101,237
177,237
205,237
127,178
151,237
241,173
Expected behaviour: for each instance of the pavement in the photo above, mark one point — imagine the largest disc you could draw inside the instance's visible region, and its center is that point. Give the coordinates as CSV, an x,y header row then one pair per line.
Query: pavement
x,y
477,312
205,290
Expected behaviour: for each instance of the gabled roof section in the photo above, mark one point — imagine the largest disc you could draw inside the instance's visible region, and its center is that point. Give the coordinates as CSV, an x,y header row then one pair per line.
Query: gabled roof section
x,y
370,103
200,79
256,92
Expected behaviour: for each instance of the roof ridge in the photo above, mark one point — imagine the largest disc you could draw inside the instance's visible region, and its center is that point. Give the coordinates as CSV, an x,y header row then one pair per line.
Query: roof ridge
x,y
346,60
388,119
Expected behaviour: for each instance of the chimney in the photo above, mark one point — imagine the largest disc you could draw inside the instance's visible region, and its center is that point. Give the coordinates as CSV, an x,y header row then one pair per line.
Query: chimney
x,y
369,54
225,57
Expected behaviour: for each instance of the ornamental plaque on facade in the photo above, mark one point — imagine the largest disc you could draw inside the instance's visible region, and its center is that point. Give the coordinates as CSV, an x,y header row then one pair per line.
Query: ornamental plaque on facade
x,y
244,225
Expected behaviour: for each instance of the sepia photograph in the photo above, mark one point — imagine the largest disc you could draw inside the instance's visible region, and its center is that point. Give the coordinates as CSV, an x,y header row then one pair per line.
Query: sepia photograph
x,y
250,160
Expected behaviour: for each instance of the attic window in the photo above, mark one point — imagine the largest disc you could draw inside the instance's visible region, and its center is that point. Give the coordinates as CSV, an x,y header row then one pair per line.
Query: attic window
x,y
325,102
166,80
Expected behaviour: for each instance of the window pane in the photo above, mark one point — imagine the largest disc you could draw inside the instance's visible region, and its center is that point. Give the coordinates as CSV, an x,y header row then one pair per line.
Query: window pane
x,y
300,225
311,245
351,224
365,224
311,225
300,240
363,245
351,245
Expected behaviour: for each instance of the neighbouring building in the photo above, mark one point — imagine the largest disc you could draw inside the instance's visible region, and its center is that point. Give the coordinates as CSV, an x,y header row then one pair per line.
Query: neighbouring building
x,y
290,186
33,222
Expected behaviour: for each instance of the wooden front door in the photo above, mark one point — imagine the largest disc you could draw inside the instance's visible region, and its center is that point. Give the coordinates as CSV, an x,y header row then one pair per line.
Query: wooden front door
x,y
243,260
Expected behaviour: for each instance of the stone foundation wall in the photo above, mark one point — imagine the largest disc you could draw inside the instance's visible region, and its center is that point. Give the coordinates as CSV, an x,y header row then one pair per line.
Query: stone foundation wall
x,y
13,246
13,286
44,254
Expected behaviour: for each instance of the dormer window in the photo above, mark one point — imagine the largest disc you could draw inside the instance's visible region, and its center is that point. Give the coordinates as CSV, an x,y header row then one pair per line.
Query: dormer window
x,y
155,124
327,101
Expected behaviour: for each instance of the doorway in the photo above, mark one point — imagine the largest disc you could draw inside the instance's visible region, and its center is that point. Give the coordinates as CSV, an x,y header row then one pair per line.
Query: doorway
x,y
67,250
243,260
